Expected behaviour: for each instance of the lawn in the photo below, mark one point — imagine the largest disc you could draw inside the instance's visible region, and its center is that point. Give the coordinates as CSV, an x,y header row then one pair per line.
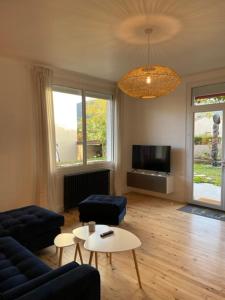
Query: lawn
x,y
204,173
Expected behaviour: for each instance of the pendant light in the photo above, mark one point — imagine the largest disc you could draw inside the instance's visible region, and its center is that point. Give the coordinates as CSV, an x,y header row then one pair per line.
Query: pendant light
x,y
150,81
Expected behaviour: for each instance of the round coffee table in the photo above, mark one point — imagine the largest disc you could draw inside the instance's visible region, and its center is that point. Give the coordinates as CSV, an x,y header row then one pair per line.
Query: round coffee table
x,y
121,240
83,233
65,240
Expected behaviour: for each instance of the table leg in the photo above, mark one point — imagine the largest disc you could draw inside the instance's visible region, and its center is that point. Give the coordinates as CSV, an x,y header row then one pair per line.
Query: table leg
x,y
110,258
60,255
90,258
136,267
75,254
79,251
96,260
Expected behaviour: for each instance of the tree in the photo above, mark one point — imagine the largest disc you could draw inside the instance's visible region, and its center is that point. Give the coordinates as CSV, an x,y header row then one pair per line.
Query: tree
x,y
96,120
96,117
214,151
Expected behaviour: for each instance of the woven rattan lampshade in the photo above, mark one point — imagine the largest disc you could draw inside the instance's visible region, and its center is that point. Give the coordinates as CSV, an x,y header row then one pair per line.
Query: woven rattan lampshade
x,y
149,82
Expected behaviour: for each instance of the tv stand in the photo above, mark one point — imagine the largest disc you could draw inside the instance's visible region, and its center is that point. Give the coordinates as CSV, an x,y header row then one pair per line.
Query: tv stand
x,y
150,180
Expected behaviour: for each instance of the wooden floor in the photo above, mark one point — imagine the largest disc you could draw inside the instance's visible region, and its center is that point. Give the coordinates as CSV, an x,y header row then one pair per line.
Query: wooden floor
x,y
182,255
209,201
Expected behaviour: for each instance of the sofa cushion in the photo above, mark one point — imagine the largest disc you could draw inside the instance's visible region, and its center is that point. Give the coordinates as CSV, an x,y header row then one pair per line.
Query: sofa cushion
x,y
26,287
45,239
17,264
26,222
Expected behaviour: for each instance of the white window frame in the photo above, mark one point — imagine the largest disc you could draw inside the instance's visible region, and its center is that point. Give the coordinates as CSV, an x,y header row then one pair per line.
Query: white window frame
x,y
89,93
191,109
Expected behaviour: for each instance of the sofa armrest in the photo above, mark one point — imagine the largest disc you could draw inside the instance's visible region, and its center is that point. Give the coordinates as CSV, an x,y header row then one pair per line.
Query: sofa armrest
x,y
80,283
26,287
64,283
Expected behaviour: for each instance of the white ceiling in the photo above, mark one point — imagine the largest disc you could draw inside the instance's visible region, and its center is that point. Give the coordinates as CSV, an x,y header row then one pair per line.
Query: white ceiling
x,y
105,38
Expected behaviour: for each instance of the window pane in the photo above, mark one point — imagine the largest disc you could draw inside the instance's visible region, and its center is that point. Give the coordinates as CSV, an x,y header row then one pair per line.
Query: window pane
x,y
98,127
68,127
208,133
209,94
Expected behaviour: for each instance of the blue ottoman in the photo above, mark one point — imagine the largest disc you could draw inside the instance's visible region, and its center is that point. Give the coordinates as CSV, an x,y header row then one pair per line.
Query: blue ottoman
x,y
103,209
33,226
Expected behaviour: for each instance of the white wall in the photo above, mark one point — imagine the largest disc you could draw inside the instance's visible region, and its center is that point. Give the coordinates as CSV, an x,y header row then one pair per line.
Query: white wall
x,y
162,121
17,144
16,135
67,146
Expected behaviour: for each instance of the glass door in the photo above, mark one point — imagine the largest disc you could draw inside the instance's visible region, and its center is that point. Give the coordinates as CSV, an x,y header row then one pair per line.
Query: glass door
x,y
208,154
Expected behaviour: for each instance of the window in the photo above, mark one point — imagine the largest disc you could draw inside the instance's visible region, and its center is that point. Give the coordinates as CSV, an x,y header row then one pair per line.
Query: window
x,y
205,145
68,126
83,127
209,94
98,128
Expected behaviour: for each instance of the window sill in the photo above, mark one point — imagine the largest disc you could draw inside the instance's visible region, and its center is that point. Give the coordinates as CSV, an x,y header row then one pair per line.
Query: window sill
x,y
96,165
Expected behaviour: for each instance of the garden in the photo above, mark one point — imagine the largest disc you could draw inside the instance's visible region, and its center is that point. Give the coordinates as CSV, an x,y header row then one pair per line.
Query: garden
x,y
206,173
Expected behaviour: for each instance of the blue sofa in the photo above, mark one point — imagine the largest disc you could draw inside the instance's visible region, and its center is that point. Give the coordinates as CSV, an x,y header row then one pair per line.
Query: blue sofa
x,y
32,226
23,276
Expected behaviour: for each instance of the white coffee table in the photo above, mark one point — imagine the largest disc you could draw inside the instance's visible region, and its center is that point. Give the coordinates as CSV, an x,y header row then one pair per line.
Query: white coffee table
x,y
65,240
83,233
121,240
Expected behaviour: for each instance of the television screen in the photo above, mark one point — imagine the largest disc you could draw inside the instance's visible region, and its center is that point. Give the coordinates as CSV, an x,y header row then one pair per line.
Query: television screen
x,y
154,158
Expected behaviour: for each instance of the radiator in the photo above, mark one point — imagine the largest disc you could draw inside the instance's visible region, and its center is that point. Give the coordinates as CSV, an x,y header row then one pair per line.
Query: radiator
x,y
77,187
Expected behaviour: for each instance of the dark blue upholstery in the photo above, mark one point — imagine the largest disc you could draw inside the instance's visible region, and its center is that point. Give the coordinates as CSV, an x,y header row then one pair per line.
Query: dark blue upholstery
x,y
103,209
34,227
23,276
17,264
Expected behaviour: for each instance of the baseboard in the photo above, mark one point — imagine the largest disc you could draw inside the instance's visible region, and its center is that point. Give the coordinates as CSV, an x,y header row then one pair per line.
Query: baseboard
x,y
154,194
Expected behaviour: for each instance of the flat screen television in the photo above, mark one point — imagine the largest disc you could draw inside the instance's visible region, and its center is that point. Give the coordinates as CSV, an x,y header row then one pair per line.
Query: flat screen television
x,y
154,158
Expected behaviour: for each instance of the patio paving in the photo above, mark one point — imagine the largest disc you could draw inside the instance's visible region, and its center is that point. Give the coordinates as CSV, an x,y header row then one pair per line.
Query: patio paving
x,y
207,191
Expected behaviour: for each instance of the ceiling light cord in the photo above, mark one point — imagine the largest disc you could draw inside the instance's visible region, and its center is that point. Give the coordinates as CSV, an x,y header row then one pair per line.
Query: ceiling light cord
x,y
148,50
148,31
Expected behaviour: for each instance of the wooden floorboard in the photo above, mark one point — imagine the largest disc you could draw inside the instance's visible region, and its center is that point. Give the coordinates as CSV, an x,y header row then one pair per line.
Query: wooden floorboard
x,y
182,255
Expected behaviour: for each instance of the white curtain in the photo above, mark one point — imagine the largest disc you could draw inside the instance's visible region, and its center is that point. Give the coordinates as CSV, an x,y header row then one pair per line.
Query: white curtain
x,y
118,142
45,186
